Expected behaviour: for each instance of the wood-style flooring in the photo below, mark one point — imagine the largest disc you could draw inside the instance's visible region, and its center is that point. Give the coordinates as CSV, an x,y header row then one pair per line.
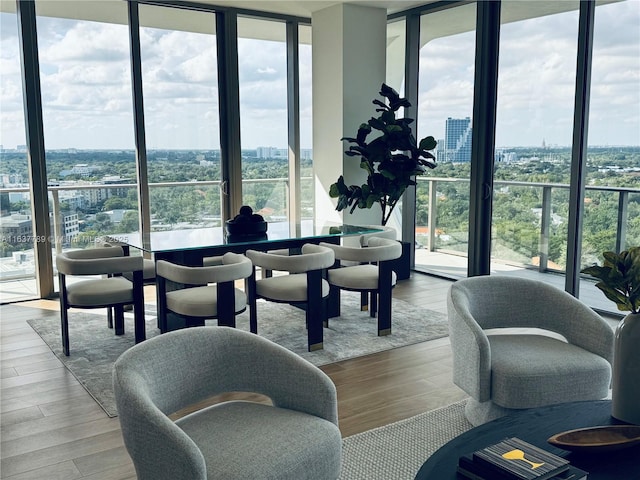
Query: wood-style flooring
x,y
51,428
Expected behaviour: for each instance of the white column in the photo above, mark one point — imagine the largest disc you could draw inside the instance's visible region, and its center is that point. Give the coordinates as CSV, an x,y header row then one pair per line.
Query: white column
x,y
349,65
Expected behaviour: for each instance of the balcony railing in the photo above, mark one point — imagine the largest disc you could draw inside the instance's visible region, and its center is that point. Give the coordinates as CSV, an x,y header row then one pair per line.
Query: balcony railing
x,y
272,190
546,192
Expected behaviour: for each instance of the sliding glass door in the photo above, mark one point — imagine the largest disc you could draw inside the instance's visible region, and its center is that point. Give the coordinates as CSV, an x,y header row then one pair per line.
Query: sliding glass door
x,y
445,106
612,197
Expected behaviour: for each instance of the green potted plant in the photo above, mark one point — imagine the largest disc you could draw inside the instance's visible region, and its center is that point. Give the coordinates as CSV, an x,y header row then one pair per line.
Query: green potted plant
x,y
619,279
392,159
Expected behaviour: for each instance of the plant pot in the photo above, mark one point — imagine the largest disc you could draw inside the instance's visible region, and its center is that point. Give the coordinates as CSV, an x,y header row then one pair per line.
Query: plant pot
x,y
626,371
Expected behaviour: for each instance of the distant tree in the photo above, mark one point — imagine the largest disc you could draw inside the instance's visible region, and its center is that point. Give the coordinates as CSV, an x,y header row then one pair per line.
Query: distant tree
x,y
129,223
117,203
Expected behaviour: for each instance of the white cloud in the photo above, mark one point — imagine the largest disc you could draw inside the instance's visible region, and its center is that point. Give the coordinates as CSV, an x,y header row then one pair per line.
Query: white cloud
x,y
85,77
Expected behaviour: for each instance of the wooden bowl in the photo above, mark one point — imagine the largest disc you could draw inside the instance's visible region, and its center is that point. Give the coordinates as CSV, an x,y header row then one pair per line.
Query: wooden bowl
x,y
596,439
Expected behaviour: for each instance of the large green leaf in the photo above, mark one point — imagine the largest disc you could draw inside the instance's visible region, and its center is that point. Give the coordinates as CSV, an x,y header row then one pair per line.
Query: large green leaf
x,y
428,143
619,277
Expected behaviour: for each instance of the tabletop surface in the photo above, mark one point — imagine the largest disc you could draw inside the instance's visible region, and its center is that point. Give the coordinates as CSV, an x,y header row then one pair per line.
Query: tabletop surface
x,y
536,426
191,239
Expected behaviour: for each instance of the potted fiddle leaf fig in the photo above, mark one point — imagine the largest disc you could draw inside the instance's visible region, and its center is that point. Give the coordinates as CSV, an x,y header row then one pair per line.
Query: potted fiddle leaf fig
x,y
391,159
619,279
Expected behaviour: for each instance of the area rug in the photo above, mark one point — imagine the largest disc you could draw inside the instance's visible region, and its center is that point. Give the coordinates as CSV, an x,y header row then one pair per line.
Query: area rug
x,y
94,347
397,451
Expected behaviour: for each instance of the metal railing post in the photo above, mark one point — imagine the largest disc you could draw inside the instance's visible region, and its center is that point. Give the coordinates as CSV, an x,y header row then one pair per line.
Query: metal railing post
x,y
621,228
545,225
57,224
432,213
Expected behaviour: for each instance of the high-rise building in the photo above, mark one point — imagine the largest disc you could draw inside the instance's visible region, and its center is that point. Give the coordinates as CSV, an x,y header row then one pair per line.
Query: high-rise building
x,y
457,140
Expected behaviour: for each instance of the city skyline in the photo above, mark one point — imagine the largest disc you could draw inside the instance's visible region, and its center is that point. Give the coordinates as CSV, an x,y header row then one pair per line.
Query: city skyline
x,y
87,96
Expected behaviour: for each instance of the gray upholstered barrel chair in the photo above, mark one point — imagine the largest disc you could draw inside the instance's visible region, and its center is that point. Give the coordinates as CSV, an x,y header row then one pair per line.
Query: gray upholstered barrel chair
x,y
108,288
504,370
204,287
368,271
302,285
295,438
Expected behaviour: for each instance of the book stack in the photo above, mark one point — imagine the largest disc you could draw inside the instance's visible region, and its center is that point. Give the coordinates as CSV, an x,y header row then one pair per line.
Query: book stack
x,y
515,459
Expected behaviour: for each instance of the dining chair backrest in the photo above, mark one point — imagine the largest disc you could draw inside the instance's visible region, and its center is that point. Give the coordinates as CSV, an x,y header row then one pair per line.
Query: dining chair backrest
x,y
382,231
227,268
313,257
379,249
96,261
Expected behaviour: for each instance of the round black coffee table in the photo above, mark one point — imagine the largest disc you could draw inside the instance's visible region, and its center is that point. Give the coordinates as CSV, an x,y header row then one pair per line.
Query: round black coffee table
x,y
536,426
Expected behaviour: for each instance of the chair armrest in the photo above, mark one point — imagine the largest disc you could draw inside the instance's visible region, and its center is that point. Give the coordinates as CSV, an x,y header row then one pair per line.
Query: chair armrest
x,y
289,380
99,265
314,257
152,438
584,328
379,250
226,272
470,347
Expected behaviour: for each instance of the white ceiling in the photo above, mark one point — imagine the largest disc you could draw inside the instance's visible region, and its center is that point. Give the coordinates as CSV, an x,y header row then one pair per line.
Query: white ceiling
x,y
304,8
300,8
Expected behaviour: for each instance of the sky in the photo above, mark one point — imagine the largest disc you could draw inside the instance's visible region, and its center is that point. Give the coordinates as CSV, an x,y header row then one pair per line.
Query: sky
x,y
86,86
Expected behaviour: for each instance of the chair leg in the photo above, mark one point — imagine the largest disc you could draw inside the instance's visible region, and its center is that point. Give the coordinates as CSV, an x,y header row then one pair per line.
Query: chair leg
x,y
314,314
374,304
64,314
119,319
364,301
139,325
251,296
110,317
333,302
226,308
384,297
64,318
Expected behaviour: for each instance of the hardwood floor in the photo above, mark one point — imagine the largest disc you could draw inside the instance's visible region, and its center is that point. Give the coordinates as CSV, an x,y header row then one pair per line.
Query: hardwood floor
x,y
51,428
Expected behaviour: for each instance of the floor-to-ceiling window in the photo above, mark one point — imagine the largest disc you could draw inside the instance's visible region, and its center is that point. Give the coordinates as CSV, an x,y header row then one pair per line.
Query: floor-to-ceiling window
x,y
535,139
395,77
536,85
90,130
446,83
180,91
262,75
306,123
612,198
16,243
88,127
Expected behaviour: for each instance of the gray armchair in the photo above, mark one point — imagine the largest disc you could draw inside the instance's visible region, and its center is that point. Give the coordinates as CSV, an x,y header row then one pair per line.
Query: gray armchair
x,y
502,371
296,438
